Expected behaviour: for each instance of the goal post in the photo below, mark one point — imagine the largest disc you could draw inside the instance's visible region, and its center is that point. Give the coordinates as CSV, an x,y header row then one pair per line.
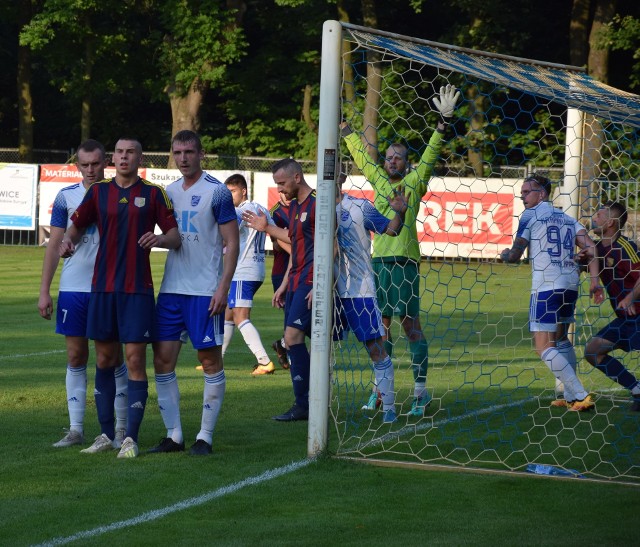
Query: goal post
x,y
490,393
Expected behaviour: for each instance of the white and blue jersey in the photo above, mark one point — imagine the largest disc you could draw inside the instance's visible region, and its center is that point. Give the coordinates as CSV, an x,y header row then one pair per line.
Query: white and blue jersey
x,y
251,258
552,240
195,268
356,219
77,270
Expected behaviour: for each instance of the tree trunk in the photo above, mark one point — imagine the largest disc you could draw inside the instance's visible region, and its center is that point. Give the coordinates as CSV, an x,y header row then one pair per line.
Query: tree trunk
x,y
347,67
23,84
579,33
185,111
374,84
306,109
598,67
85,116
474,155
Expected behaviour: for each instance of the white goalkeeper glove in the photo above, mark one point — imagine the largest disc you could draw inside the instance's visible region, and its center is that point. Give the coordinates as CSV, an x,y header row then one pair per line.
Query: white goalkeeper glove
x,y
447,103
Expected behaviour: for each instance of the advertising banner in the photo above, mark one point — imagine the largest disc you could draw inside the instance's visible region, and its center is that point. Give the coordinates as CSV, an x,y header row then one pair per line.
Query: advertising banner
x,y
18,190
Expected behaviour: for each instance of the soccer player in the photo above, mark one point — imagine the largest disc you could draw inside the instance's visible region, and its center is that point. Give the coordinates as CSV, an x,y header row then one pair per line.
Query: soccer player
x,y
194,292
281,253
288,176
355,283
247,279
73,297
619,265
121,309
551,237
396,260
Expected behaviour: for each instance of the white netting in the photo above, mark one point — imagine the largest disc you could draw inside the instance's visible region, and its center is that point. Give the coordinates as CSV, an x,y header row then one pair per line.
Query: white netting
x,y
490,391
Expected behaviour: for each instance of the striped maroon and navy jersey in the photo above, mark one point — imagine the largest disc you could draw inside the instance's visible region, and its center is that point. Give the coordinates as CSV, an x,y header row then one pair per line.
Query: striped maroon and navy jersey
x,y
619,270
302,223
280,215
122,216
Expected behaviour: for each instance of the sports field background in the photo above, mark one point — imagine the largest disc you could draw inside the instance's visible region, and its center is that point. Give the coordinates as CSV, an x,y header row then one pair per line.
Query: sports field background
x,y
257,488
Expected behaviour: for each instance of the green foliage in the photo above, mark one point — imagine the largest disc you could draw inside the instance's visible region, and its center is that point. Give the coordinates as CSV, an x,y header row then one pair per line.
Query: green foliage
x,y
623,33
199,39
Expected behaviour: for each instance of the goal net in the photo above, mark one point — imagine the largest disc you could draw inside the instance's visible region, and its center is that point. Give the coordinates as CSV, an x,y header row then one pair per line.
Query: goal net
x,y
490,392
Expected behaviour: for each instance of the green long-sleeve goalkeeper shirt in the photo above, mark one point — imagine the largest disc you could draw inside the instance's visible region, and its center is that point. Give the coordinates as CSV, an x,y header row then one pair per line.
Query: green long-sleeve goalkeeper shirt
x,y
414,185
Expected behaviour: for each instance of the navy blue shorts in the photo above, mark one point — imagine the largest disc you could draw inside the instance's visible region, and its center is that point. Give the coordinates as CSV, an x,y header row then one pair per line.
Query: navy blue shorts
x,y
623,332
71,313
547,309
127,318
361,316
296,311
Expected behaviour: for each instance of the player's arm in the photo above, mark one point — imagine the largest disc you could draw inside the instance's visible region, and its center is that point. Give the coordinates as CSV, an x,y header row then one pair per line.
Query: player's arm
x,y
588,252
71,238
445,104
375,174
514,254
398,204
169,240
230,233
278,299
281,245
49,267
627,304
260,222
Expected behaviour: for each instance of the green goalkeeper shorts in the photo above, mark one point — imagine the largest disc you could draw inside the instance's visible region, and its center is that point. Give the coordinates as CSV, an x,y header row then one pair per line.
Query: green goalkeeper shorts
x,y
397,287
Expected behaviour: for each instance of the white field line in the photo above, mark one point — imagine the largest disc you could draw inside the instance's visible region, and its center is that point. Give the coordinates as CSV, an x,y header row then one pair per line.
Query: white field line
x,y
37,354
180,506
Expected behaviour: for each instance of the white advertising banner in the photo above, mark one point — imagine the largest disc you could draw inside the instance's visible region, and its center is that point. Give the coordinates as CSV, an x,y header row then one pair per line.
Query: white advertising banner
x,y
18,190
458,217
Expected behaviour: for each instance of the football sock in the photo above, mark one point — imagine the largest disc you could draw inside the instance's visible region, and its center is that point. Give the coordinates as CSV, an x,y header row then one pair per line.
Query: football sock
x,y
76,384
138,394
122,388
105,394
419,359
300,365
565,348
228,335
561,369
615,370
169,403
385,382
214,388
254,343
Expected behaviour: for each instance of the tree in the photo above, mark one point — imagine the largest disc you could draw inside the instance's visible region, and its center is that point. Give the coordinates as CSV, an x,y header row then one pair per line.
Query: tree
x,y
200,39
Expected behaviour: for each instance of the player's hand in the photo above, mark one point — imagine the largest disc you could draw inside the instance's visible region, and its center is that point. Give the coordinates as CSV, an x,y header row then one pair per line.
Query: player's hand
x,y
66,249
218,302
583,256
597,293
449,96
504,255
45,306
627,305
398,201
278,299
258,221
309,299
149,240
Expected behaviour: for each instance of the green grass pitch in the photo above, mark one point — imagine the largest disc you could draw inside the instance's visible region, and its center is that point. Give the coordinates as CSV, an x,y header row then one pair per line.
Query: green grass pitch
x,y
258,489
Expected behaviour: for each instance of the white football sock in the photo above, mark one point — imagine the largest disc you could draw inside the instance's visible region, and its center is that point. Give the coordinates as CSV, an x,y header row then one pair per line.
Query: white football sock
x,y
566,349
385,382
169,403
214,388
228,335
254,343
562,370
76,384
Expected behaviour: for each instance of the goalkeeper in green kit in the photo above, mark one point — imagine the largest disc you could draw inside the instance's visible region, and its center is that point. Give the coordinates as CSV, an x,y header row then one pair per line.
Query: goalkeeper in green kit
x,y
396,260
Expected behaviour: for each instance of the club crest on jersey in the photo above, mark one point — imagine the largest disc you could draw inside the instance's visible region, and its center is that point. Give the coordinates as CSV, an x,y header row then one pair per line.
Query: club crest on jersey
x,y
303,217
610,262
139,202
195,200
